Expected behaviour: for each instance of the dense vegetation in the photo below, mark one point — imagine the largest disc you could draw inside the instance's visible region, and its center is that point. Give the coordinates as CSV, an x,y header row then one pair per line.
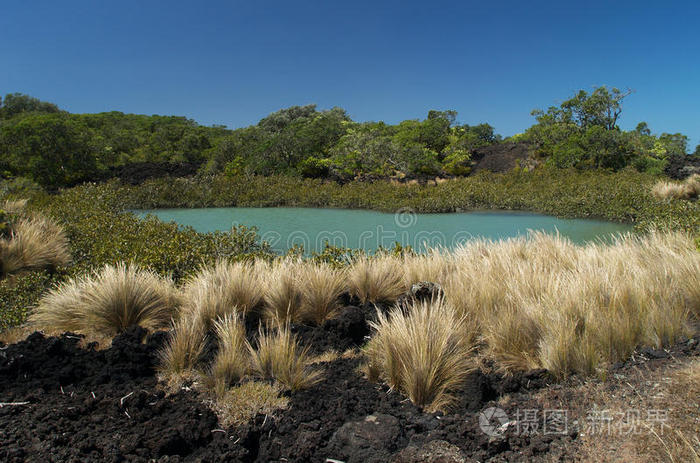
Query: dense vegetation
x,y
586,167
57,149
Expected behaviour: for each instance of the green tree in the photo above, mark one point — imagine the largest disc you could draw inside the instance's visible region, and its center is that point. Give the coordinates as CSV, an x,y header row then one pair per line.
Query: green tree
x,y
17,103
674,143
52,149
583,131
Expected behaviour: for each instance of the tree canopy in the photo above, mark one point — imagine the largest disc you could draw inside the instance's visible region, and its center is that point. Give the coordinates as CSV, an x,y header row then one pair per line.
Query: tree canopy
x,y
57,148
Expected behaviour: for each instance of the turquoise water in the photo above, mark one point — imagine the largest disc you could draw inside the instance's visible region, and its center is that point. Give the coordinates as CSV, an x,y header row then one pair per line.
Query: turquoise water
x,y
312,228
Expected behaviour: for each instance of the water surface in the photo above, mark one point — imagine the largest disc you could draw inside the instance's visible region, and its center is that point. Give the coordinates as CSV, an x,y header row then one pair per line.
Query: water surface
x,y
312,228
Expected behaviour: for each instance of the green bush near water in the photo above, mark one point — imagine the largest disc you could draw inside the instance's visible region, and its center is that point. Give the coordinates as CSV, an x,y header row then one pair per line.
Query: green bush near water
x,y
19,293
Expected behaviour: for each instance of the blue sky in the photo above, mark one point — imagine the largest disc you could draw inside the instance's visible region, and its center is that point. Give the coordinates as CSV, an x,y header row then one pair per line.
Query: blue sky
x,y
231,62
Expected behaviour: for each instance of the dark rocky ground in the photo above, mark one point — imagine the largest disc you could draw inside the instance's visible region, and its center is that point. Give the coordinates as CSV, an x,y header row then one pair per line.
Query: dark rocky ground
x,y
681,167
500,157
69,403
137,173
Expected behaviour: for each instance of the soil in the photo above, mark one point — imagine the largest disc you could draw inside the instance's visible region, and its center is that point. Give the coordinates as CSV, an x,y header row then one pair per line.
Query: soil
x,y
62,401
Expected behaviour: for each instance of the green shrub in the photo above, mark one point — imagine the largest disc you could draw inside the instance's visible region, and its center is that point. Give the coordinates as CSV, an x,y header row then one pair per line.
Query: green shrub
x,y
458,163
19,293
314,168
4,224
100,233
650,164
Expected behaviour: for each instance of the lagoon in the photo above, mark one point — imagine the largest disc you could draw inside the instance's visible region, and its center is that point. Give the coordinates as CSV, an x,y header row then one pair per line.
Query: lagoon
x,y
314,227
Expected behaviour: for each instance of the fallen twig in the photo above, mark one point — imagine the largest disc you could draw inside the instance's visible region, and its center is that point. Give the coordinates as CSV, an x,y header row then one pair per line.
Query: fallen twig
x,y
121,402
12,404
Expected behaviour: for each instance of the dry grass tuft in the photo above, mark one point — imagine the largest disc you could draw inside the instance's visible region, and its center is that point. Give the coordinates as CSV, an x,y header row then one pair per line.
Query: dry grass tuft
x,y
434,267
321,289
181,354
378,279
35,243
283,296
279,356
424,352
17,206
242,403
107,302
15,334
223,289
231,362
543,302
688,189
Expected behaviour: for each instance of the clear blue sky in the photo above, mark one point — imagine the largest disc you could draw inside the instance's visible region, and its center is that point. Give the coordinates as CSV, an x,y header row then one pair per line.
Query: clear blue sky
x,y
233,62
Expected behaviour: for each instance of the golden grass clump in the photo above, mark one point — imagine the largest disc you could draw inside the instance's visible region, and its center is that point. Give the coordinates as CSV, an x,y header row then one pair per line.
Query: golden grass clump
x,y
283,294
17,206
377,279
542,302
35,242
240,404
424,352
434,267
321,288
279,356
231,363
181,354
222,289
688,189
107,302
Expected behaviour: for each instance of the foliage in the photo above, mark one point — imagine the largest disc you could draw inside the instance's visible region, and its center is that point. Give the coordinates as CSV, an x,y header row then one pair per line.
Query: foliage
x,y
56,148
101,232
458,163
16,103
21,292
52,149
19,187
582,132
623,196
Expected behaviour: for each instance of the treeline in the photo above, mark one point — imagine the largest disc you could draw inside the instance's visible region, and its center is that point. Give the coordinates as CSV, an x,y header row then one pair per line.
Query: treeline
x,y
56,148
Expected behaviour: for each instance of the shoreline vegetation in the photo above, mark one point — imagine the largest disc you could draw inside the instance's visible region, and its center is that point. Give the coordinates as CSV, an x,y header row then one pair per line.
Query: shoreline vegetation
x,y
624,197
